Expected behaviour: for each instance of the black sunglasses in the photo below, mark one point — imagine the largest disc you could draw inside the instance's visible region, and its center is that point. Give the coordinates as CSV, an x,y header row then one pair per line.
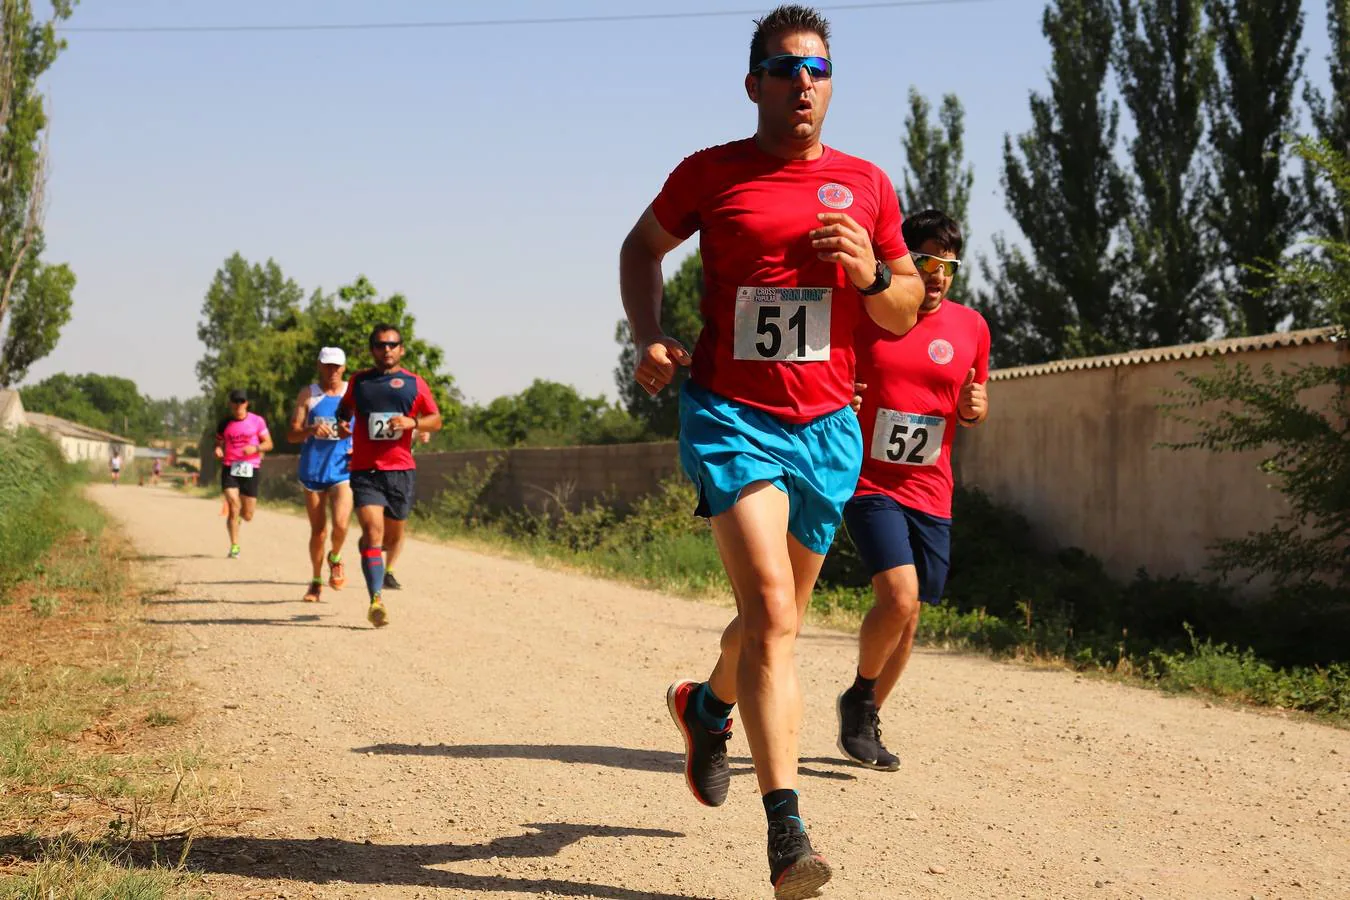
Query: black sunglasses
x,y
385,345
787,66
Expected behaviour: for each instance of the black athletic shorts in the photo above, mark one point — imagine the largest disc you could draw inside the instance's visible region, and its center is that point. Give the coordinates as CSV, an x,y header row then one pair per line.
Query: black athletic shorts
x,y
248,486
391,489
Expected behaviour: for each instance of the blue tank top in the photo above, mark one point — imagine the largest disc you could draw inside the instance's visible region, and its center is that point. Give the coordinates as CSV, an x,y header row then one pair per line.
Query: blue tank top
x,y
324,460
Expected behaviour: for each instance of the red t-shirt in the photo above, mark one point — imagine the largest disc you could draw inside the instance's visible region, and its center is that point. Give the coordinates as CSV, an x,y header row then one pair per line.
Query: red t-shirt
x,y
908,416
373,397
778,322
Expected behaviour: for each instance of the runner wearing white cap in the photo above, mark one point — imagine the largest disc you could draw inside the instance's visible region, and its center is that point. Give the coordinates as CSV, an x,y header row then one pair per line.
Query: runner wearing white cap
x,y
323,469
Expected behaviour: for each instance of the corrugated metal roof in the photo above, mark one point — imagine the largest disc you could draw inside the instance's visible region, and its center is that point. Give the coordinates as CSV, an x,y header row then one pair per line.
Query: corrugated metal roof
x,y
44,422
1181,351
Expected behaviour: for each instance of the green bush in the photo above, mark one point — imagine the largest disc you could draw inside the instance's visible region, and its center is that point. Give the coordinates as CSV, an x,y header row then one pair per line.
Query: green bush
x,y
33,476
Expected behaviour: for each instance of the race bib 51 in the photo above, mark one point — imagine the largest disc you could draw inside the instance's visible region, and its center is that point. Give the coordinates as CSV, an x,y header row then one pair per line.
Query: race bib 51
x,y
783,324
907,439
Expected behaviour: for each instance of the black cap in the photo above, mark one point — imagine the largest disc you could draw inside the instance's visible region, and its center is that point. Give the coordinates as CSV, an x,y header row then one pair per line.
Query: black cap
x,y
238,395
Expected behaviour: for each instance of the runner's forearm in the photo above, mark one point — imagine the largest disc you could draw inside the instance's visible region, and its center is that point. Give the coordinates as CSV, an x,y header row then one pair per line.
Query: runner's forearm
x,y
640,286
428,423
896,309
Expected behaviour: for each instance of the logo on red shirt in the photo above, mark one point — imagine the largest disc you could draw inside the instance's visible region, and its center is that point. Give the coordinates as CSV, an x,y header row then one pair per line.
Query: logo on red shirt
x,y
835,196
397,383
941,352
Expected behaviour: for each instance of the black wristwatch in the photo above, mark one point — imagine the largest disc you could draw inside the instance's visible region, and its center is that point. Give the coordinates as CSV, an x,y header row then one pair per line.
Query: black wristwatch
x,y
882,282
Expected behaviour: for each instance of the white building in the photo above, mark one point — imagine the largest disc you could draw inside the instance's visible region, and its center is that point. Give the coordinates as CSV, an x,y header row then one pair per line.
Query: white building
x,y
80,442
11,411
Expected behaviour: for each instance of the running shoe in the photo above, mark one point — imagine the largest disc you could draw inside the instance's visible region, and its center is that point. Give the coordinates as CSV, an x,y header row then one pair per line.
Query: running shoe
x,y
860,733
391,583
795,868
234,552
707,770
312,595
377,614
337,575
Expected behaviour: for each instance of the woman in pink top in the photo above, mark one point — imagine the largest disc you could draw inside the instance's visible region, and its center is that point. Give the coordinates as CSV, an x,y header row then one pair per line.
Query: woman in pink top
x,y
241,440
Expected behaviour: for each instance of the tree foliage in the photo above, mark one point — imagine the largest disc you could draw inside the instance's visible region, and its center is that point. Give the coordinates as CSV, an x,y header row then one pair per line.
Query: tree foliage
x,y
1257,208
35,297
1164,57
1300,418
1061,296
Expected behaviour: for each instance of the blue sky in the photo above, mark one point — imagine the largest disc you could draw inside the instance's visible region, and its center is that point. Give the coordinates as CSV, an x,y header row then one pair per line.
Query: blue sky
x,y
487,173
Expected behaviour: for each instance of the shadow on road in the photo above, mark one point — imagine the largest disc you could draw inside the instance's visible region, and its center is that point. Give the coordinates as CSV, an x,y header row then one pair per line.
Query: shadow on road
x,y
664,761
300,621
329,860
252,581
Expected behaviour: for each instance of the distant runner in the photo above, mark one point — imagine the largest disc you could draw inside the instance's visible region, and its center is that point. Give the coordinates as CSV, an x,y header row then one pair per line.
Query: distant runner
x,y
323,468
115,466
241,440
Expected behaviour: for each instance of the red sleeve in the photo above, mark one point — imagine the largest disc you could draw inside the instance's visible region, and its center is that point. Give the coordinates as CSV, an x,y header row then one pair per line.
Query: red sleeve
x,y
347,405
982,352
887,237
425,404
678,205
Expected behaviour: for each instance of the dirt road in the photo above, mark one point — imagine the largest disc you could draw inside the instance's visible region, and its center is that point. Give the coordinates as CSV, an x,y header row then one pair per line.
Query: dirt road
x,y
506,737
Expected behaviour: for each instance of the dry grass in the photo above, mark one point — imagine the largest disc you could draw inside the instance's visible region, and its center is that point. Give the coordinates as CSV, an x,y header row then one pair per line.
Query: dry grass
x,y
93,728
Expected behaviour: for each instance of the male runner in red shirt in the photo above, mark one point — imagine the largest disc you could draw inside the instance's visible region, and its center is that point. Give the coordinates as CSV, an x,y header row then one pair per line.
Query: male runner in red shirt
x,y
919,388
389,404
799,243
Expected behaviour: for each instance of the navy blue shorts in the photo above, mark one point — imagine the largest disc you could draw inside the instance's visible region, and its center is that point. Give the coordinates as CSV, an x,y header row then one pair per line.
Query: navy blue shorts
x,y
889,534
391,489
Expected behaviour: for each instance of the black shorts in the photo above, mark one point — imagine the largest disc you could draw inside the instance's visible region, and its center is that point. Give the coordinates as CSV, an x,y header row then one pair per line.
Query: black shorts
x,y
248,487
391,489
889,534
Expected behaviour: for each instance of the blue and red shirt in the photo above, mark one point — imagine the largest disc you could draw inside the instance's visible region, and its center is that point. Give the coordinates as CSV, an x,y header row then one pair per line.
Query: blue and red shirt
x,y
375,397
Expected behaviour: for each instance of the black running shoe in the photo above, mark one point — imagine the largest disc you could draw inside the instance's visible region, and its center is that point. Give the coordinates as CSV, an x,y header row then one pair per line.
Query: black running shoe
x,y
706,768
391,583
796,870
860,733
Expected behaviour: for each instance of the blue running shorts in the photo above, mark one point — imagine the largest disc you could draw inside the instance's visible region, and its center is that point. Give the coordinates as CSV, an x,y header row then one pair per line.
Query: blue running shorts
x,y
726,446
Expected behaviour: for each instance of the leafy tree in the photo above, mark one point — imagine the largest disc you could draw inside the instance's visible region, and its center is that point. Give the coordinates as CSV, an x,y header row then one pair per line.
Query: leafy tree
x,y
34,297
259,337
1068,196
1331,120
682,320
1299,417
936,176
106,402
36,318
1165,59
251,321
549,413
345,320
1257,209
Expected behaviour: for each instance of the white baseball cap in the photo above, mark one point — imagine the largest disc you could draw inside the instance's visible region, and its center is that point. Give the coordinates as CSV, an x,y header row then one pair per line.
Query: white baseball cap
x,y
332,356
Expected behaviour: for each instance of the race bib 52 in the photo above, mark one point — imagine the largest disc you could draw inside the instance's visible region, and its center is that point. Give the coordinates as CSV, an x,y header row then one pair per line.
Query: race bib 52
x,y
907,439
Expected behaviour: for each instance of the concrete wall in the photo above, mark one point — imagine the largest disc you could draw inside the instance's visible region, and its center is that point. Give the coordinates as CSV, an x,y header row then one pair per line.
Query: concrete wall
x,y
1076,453
534,479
